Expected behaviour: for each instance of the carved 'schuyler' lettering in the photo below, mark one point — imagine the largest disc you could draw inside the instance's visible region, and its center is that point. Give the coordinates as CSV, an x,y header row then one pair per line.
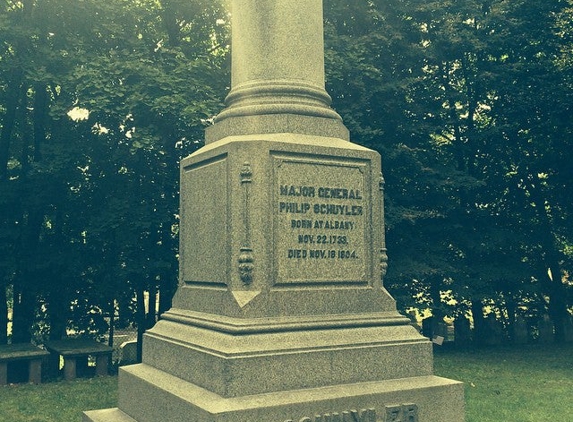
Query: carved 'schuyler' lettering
x,y
335,209
402,412
364,415
410,411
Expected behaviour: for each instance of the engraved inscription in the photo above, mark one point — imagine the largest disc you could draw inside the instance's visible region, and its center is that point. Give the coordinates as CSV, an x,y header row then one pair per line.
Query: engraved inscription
x,y
407,412
321,228
410,412
402,413
364,415
321,221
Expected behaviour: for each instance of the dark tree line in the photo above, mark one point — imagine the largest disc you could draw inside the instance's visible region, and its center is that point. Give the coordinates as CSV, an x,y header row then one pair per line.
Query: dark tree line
x,y
98,103
469,103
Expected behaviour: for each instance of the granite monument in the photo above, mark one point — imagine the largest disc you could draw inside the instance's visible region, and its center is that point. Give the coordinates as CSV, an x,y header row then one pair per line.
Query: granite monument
x,y
281,314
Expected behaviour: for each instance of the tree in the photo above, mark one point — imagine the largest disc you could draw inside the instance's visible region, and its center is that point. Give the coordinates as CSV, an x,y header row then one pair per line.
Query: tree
x,y
445,94
99,103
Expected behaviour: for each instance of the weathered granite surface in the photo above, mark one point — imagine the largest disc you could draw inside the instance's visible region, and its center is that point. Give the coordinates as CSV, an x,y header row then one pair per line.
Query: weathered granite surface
x,y
281,313
259,329
277,72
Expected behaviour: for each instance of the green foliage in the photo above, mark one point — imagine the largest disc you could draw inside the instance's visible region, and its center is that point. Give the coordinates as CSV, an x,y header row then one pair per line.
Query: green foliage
x,y
467,101
111,95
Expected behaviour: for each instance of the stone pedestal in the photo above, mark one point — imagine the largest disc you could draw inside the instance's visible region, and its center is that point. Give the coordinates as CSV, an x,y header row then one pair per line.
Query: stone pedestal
x,y
281,314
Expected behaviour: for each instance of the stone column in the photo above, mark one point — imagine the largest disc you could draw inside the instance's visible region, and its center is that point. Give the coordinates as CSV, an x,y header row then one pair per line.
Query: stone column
x,y
277,71
277,41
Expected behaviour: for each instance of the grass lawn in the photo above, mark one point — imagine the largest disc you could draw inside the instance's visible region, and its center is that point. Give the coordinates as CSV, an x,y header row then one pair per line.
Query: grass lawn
x,y
513,384
504,384
61,401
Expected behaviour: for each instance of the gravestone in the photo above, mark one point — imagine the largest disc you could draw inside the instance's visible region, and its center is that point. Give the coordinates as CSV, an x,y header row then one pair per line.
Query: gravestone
x,y
435,329
128,352
568,329
545,330
281,314
520,331
494,334
462,332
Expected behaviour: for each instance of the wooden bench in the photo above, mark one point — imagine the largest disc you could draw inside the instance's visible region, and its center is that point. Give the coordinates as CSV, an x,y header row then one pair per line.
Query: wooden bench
x,y
10,353
74,349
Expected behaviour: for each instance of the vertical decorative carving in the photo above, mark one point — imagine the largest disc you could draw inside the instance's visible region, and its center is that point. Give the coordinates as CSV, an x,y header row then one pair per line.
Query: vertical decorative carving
x,y
246,265
246,173
383,254
383,262
246,260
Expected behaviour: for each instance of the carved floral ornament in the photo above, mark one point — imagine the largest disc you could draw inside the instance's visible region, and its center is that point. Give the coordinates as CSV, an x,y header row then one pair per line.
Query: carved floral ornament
x,y
246,265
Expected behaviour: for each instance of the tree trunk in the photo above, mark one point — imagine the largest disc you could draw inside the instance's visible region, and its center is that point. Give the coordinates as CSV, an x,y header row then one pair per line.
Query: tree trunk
x,y
557,303
40,117
111,323
58,309
166,291
171,24
479,322
152,306
124,316
552,276
57,325
511,308
22,313
3,314
24,282
454,117
140,321
11,105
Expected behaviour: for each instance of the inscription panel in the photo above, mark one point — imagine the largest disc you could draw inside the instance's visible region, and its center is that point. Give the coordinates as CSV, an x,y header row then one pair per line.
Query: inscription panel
x,y
320,220
203,257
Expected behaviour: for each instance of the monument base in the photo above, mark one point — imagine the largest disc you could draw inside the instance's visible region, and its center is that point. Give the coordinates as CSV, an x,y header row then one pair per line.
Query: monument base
x,y
152,395
349,374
